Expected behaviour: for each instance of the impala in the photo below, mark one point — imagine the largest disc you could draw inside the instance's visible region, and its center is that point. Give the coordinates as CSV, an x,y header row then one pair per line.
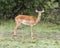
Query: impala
x,y
27,20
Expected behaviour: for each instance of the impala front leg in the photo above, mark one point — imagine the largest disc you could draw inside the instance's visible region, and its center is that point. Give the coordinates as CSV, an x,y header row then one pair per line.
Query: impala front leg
x,y
32,32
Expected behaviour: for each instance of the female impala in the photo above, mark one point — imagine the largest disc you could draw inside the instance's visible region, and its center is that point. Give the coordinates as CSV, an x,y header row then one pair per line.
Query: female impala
x,y
27,20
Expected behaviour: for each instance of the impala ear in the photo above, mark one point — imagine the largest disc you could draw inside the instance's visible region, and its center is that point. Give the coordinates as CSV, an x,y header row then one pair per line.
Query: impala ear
x,y
42,10
36,10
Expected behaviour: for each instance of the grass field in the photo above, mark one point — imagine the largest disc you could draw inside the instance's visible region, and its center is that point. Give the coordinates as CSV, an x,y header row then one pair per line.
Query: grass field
x,y
45,36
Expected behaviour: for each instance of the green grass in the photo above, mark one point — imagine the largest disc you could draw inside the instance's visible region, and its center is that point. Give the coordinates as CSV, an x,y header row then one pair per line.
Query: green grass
x,y
8,26
45,36
30,43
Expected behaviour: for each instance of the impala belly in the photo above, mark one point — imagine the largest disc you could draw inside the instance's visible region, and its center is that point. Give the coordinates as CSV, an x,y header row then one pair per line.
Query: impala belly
x,y
27,23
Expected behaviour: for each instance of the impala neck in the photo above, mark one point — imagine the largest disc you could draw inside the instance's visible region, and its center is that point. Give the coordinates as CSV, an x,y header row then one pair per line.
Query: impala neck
x,y
39,17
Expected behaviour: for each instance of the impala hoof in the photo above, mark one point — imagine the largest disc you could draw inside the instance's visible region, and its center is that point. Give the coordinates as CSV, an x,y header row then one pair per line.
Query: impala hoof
x,y
14,35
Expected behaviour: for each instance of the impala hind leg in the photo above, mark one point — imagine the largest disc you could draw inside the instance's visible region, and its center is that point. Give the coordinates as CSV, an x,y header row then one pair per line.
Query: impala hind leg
x,y
17,25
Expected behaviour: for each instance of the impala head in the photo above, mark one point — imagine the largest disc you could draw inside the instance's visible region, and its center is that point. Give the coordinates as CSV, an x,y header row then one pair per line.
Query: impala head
x,y
39,11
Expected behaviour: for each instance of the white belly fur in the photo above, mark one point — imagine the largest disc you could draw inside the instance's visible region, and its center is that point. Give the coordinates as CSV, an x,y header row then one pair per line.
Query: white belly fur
x,y
26,23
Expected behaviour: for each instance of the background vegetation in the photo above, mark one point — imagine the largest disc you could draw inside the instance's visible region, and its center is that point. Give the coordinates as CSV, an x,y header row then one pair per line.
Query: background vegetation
x,y
11,8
